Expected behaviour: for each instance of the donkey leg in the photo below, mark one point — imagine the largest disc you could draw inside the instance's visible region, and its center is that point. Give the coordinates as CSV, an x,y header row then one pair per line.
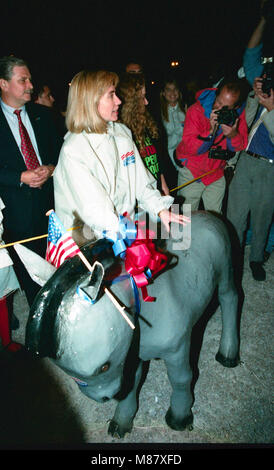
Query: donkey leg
x,y
179,415
126,409
228,354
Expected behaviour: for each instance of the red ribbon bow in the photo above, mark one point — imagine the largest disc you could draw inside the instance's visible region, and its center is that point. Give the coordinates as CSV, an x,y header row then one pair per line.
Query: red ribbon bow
x,y
142,255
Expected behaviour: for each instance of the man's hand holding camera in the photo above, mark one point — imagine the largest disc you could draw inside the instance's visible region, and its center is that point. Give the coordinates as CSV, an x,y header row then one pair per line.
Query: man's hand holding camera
x,y
228,119
229,131
213,119
264,99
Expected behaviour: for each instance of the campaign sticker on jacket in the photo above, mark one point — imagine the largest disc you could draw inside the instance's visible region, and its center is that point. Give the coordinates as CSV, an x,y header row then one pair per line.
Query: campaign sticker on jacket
x,y
128,158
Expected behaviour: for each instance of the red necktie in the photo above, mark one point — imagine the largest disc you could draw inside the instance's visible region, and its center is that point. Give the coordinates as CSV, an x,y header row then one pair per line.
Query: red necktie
x,y
28,151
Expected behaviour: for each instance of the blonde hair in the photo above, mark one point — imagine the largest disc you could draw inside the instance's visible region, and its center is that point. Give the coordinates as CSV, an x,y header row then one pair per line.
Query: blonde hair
x,y
133,114
86,89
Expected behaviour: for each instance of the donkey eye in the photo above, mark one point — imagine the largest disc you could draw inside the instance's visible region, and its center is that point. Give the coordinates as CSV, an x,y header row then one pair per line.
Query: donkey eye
x,y
105,367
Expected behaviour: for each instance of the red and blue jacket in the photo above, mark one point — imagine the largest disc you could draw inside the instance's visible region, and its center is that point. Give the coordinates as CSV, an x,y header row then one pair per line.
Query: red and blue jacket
x,y
193,149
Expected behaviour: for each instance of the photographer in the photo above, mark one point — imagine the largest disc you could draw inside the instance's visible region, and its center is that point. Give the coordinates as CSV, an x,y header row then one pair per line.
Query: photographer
x,y
260,44
251,189
215,128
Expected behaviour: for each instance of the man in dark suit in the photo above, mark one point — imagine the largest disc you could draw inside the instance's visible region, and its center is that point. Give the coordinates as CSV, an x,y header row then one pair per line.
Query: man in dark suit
x,y
25,187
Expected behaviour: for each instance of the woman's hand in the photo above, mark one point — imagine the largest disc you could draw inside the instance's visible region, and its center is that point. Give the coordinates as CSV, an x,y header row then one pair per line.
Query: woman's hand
x,y
165,188
167,216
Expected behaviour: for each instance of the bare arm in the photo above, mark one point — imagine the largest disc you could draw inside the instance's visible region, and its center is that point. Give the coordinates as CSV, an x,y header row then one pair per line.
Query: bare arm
x,y
256,37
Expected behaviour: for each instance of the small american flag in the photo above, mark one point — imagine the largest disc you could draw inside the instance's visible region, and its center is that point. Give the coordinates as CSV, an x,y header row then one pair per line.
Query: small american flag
x,y
60,244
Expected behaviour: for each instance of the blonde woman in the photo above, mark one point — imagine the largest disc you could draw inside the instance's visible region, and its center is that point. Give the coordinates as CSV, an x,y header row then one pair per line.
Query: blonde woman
x,y
100,174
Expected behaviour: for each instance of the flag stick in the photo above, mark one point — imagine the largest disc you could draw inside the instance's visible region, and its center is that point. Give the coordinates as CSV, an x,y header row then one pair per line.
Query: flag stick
x,y
109,294
118,306
107,291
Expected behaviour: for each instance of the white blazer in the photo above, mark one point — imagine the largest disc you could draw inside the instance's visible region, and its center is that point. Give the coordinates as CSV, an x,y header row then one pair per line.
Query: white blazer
x,y
99,177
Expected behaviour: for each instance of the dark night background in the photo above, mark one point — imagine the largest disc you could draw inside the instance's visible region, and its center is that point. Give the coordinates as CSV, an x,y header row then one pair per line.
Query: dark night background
x,y
58,39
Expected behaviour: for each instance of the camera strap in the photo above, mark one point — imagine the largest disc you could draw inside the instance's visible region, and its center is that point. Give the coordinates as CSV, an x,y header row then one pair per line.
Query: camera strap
x,y
254,126
210,138
219,141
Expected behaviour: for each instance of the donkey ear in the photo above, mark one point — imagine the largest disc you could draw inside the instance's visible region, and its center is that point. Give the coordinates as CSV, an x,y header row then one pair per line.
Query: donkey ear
x,y
93,287
38,268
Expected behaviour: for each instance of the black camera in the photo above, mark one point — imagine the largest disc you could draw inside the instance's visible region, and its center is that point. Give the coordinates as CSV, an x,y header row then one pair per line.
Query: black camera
x,y
267,75
226,116
220,154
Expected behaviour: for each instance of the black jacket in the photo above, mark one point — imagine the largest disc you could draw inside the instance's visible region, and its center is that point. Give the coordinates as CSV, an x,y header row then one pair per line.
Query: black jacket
x,y
24,214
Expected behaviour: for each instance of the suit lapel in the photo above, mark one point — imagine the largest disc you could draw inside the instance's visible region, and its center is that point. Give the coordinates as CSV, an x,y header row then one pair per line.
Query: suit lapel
x,y
6,135
35,118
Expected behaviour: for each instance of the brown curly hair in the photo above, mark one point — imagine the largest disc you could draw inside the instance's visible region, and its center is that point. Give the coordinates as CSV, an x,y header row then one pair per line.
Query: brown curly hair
x,y
133,114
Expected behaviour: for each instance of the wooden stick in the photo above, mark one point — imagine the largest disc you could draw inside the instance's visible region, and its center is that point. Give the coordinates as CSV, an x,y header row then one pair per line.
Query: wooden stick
x,y
194,179
49,212
24,241
85,261
119,307
109,294
32,238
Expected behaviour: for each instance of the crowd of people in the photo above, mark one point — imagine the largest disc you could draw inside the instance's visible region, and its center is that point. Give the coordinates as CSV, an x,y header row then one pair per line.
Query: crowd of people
x,y
111,150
